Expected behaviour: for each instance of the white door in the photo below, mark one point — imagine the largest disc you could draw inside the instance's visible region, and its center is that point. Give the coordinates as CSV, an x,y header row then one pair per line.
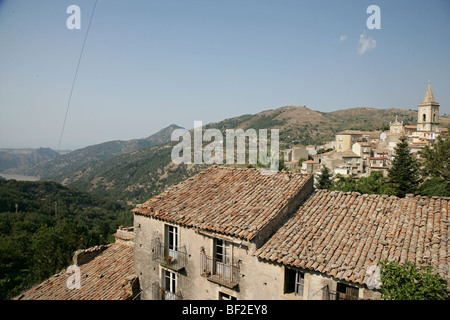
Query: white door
x,y
172,242
223,259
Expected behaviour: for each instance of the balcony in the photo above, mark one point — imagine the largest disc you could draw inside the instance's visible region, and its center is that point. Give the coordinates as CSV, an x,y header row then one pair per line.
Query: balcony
x,y
159,293
215,270
172,258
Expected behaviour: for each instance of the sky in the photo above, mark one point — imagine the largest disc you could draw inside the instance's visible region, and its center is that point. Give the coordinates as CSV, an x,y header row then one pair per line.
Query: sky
x,y
149,64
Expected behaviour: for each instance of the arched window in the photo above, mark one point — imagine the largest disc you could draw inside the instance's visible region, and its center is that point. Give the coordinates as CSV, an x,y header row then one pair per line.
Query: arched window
x,y
434,117
424,117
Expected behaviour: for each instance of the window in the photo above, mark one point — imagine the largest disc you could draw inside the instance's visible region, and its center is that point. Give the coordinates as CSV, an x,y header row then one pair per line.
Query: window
x,y
424,117
294,282
172,241
434,117
223,251
340,138
222,255
224,296
168,284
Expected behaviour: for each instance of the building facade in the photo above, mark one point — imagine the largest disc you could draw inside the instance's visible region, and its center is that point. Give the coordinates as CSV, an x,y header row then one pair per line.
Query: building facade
x,y
236,234
196,241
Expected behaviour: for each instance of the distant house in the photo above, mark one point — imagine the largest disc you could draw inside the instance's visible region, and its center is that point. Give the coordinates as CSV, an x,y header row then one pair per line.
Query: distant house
x,y
310,167
346,139
326,159
311,149
363,150
352,160
409,130
343,169
389,140
295,154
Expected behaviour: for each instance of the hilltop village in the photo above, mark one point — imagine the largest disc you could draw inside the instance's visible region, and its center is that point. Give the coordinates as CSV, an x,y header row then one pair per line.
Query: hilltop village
x,y
357,153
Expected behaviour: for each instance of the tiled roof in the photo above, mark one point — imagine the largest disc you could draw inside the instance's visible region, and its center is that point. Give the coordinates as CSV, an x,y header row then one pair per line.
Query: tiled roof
x,y
348,154
381,150
236,202
106,276
343,234
372,134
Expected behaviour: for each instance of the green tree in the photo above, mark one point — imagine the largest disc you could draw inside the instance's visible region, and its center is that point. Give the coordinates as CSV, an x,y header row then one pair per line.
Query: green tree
x,y
53,248
300,162
325,179
404,172
375,183
344,183
410,282
435,167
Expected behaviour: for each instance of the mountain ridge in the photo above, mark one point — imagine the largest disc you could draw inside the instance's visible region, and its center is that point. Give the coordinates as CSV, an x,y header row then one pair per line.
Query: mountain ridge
x,y
14,158
140,174
91,155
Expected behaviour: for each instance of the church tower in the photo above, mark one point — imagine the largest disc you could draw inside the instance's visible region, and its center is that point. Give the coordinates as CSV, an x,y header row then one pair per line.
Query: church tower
x,y
428,113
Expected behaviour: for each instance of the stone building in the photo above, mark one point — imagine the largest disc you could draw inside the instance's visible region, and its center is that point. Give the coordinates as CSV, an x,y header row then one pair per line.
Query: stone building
x,y
236,234
346,139
196,240
310,167
295,153
333,243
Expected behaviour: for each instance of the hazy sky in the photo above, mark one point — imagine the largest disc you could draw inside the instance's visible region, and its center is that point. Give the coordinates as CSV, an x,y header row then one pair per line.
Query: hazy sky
x,y
148,64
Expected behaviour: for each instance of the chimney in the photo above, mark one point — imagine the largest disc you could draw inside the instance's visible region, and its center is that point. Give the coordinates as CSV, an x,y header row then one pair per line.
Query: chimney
x,y
83,256
125,236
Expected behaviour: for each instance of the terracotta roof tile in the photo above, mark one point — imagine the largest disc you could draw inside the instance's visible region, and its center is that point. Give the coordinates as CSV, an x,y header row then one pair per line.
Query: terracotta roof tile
x,y
237,202
343,234
104,277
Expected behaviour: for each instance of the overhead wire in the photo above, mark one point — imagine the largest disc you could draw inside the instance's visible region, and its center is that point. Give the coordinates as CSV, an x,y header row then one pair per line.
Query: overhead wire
x,y
75,76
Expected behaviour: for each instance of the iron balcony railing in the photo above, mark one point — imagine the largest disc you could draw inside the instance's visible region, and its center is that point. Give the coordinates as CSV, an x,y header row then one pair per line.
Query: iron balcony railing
x,y
159,293
218,271
171,257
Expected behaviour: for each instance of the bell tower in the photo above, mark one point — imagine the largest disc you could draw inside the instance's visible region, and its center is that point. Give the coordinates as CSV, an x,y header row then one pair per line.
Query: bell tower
x,y
428,113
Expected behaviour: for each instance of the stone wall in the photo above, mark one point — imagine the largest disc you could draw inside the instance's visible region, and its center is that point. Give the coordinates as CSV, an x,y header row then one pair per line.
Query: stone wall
x,y
258,279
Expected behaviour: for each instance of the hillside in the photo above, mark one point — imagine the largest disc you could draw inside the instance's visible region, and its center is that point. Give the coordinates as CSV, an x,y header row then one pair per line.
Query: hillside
x,y
300,125
14,158
43,223
136,176
68,164
140,174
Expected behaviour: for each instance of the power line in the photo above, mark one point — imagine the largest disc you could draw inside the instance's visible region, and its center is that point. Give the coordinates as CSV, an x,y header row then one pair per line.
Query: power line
x,y
75,77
